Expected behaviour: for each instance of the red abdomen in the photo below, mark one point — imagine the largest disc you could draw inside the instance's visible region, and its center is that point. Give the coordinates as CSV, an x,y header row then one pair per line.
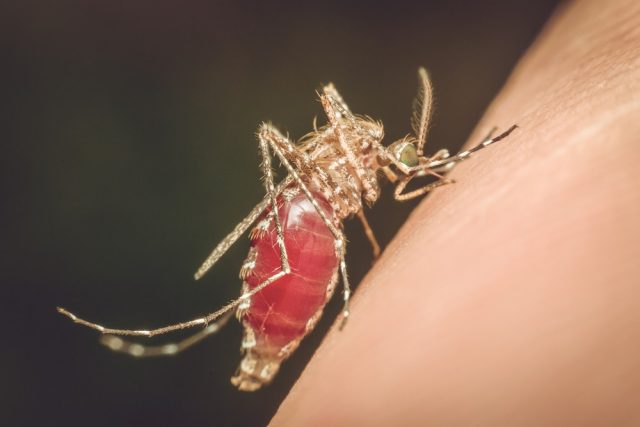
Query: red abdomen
x,y
282,313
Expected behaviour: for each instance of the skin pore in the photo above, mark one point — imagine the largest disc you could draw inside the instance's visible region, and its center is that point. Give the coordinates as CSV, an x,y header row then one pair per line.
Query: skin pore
x,y
513,296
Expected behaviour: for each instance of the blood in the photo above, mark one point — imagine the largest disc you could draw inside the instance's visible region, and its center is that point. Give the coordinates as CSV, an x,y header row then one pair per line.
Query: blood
x,y
279,313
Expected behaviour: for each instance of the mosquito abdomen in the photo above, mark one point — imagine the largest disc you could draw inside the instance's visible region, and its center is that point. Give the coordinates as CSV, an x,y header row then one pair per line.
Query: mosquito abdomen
x,y
278,317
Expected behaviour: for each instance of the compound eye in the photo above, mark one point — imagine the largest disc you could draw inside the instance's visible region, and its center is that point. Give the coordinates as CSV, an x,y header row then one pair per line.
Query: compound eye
x,y
408,155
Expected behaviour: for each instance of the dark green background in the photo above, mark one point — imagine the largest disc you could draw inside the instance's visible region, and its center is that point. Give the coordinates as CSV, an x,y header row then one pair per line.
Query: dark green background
x,y
130,151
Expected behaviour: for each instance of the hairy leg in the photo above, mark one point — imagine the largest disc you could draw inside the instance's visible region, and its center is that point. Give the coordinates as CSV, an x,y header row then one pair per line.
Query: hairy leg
x,y
368,231
137,349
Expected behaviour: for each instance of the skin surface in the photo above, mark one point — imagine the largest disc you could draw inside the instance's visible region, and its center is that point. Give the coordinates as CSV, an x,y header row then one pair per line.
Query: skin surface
x,y
512,297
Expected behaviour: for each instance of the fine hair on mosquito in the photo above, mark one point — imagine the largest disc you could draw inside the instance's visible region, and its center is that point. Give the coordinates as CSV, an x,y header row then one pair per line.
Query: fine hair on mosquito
x,y
298,247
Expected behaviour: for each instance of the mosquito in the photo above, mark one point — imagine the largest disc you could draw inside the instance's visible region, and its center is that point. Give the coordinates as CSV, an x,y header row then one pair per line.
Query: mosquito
x,y
298,247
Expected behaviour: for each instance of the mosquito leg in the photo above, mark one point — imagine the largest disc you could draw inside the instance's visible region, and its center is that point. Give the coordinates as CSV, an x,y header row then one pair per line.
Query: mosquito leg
x,y
440,155
346,295
271,192
200,321
370,235
288,154
398,195
135,349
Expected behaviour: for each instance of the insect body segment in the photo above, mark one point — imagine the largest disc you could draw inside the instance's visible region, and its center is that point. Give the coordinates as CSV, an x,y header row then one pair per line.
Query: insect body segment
x,y
298,248
278,317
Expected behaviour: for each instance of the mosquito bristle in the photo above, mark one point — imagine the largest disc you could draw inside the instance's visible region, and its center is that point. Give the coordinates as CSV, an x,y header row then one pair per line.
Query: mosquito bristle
x,y
246,270
257,233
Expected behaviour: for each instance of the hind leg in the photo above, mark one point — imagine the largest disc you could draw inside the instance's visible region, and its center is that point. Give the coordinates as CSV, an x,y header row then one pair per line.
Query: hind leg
x,y
135,349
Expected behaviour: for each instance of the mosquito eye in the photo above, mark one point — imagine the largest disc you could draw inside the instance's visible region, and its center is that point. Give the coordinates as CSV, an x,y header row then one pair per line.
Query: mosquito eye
x,y
408,155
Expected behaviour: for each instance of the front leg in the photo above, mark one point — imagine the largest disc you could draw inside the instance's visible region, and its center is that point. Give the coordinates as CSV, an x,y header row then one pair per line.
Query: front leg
x,y
400,196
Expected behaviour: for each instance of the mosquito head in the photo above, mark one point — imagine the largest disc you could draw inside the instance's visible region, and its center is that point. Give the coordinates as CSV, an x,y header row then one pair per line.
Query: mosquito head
x,y
405,153
401,162
403,156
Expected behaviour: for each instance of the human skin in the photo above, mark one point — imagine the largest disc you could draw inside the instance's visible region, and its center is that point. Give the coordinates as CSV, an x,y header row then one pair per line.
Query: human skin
x,y
513,296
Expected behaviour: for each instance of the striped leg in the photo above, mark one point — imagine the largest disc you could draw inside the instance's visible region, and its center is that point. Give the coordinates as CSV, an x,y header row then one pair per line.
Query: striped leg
x,y
400,196
463,155
135,349
204,321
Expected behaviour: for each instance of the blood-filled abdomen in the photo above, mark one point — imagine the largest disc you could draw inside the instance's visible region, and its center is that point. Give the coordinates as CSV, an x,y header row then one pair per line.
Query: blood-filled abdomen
x,y
279,316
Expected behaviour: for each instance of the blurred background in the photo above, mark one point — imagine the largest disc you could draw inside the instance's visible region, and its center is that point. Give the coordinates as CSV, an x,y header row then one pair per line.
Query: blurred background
x,y
131,152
